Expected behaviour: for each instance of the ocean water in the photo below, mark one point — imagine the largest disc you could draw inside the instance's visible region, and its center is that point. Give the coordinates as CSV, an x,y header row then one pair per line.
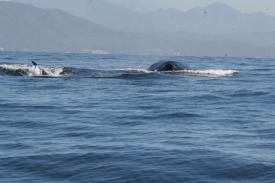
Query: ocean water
x,y
105,118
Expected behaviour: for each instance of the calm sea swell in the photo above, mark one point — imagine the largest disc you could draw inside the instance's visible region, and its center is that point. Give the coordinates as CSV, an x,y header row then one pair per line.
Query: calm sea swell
x,y
104,122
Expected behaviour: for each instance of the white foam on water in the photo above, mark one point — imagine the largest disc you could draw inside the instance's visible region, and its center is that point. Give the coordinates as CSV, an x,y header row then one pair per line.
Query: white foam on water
x,y
210,72
12,67
205,73
139,70
32,70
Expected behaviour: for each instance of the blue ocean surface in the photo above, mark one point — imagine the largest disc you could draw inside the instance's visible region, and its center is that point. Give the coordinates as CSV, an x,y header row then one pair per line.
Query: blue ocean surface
x,y
105,118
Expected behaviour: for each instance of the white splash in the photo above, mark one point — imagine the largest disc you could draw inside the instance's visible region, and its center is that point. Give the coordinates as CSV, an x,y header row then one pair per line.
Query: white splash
x,y
205,73
210,72
139,70
19,69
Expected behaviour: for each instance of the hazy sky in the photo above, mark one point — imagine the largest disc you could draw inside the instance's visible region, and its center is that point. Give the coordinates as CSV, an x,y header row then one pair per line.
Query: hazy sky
x,y
266,6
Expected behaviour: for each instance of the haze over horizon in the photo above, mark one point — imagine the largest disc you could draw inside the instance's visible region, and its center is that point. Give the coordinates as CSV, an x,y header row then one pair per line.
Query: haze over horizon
x,y
245,6
102,26
264,6
216,18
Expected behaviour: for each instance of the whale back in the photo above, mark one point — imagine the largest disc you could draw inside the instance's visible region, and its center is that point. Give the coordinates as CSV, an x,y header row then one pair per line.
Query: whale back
x,y
167,66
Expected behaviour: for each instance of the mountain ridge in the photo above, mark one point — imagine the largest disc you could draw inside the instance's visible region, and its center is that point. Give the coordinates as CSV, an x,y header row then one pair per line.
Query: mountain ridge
x,y
28,28
214,19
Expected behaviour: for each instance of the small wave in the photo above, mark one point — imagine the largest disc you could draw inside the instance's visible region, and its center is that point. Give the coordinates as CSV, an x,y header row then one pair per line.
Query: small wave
x,y
25,70
179,115
248,93
209,72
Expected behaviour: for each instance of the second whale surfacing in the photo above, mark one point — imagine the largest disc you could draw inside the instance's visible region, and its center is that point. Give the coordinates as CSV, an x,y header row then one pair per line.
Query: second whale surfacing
x,y
165,66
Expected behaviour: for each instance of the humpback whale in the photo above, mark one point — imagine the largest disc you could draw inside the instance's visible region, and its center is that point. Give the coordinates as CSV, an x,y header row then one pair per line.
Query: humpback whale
x,y
163,66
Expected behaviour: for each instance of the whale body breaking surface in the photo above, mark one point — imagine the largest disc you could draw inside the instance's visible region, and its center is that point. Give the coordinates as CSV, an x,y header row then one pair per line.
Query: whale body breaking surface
x,y
163,66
